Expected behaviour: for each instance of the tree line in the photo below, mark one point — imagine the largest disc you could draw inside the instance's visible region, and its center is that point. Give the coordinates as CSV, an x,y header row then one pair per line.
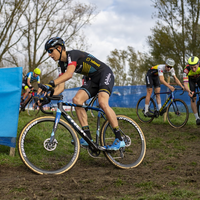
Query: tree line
x,y
27,24
176,35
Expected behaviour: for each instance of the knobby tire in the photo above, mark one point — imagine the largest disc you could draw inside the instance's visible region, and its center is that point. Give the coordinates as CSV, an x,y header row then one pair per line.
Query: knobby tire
x,y
135,149
140,108
32,149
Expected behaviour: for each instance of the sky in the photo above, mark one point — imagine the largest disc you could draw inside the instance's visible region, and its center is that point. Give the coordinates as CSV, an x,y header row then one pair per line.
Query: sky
x,y
119,23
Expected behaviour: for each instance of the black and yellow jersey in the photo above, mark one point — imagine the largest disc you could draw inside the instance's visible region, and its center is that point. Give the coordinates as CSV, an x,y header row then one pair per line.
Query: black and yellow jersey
x,y
187,72
85,63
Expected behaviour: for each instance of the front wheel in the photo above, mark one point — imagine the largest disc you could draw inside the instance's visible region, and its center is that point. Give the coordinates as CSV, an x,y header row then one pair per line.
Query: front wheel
x,y
140,109
177,113
133,153
45,157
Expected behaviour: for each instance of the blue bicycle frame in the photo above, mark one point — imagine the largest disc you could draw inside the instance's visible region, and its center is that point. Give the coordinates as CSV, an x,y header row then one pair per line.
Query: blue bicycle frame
x,y
60,111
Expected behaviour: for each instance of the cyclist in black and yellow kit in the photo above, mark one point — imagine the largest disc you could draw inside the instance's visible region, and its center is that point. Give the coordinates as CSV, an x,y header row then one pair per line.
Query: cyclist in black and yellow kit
x,y
191,75
100,80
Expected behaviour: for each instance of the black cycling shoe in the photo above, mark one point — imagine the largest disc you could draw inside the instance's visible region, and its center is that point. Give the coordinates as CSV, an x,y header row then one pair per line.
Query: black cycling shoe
x,y
198,122
148,114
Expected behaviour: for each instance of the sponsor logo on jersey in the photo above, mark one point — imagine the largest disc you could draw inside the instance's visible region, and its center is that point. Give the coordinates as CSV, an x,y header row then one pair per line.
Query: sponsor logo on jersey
x,y
77,69
186,70
95,63
92,61
108,79
69,59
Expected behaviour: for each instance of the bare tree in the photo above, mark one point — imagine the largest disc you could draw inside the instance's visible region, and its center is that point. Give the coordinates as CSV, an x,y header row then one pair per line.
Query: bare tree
x,y
117,62
45,19
11,13
176,34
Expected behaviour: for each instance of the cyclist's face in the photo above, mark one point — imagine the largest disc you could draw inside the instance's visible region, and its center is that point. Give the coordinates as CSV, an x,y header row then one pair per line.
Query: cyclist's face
x,y
168,68
194,67
54,53
35,74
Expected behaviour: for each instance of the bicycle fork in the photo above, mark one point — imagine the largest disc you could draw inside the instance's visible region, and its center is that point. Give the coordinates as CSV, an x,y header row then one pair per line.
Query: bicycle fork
x,y
50,144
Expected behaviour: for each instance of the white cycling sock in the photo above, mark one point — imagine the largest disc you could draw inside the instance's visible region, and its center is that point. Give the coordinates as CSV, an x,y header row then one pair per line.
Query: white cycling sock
x,y
196,116
159,106
146,108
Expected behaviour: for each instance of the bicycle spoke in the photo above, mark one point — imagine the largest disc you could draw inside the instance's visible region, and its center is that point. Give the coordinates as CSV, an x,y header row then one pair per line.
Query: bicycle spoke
x,y
42,157
140,108
177,113
134,151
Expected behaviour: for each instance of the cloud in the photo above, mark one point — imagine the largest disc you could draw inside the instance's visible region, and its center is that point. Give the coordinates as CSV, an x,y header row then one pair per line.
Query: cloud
x,y
119,24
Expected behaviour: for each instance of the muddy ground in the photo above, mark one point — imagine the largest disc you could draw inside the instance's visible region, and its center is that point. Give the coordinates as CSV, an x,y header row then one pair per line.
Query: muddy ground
x,y
170,170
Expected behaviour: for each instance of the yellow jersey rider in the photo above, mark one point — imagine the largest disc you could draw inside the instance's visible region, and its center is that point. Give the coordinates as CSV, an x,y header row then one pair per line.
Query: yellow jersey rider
x,y
191,75
154,77
26,83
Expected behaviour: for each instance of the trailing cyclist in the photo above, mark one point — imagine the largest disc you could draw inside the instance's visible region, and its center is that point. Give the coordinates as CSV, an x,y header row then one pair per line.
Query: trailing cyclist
x,y
26,84
100,80
154,77
191,75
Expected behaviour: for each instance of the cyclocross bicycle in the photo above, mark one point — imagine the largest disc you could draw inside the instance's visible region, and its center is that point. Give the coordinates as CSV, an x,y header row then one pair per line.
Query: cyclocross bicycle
x,y
33,100
197,92
32,105
46,147
92,102
177,110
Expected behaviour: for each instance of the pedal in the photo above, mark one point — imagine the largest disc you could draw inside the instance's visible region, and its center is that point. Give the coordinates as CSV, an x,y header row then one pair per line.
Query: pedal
x,y
101,148
122,150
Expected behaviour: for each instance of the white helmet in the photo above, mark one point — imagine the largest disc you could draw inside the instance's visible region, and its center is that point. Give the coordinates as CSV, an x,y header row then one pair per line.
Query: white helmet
x,y
170,62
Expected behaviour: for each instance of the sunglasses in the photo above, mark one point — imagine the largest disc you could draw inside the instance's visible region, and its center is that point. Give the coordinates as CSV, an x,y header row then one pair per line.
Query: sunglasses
x,y
169,67
50,50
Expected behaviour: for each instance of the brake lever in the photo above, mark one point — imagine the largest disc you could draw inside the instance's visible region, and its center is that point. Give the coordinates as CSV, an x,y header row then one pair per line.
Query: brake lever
x,y
51,91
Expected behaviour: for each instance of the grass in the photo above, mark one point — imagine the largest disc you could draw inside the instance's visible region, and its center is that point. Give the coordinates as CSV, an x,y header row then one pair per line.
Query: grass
x,y
169,144
153,142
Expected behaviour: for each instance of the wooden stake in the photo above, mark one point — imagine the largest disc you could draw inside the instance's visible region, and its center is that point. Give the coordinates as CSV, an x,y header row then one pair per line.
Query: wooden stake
x,y
12,151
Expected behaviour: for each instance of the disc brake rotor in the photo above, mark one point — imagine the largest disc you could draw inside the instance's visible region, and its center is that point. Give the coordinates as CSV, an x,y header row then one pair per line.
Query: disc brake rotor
x,y
50,146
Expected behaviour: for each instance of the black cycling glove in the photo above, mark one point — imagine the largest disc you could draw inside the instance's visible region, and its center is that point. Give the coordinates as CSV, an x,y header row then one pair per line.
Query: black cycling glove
x,y
52,83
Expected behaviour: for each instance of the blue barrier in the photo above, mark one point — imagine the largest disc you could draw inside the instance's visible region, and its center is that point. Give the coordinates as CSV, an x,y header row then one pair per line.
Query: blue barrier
x,y
128,96
10,92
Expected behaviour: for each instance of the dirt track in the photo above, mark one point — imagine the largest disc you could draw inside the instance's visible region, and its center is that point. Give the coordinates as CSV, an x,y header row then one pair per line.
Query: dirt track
x,y
170,170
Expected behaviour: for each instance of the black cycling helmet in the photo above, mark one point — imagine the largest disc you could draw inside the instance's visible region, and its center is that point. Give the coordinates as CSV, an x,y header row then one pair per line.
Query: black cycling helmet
x,y
52,42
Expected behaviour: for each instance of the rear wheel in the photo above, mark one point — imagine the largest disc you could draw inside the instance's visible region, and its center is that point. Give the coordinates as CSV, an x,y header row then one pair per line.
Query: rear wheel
x,y
133,153
73,111
140,109
198,107
177,113
94,103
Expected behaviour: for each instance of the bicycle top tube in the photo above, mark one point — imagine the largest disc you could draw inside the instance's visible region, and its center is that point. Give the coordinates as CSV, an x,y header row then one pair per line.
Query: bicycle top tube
x,y
60,100
170,92
83,106
163,92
